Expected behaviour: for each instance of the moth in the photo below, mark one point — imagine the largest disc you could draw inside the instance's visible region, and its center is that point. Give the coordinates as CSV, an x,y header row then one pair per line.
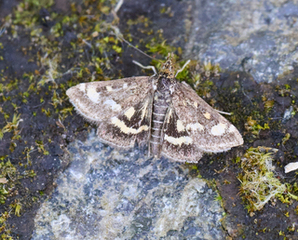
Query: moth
x,y
157,110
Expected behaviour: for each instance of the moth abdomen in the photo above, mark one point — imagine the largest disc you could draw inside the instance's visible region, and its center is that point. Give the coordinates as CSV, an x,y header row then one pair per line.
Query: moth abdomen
x,y
160,107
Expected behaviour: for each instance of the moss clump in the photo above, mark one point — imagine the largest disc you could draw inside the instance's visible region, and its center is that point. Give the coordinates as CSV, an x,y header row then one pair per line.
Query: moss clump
x,y
12,126
5,232
7,172
254,127
259,183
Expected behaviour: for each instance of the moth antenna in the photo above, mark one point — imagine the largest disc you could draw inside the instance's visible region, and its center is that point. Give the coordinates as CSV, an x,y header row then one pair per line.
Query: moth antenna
x,y
181,69
119,35
225,113
117,32
145,67
128,43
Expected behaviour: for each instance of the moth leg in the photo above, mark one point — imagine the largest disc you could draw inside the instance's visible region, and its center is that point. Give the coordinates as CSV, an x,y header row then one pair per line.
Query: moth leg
x,y
181,69
145,67
225,113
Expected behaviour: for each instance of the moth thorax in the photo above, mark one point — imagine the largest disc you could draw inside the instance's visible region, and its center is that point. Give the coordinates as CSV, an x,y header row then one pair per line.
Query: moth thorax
x,y
164,84
167,69
160,107
167,72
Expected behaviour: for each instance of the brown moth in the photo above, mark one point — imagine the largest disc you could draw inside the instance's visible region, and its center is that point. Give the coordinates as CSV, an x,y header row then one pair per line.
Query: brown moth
x,y
159,111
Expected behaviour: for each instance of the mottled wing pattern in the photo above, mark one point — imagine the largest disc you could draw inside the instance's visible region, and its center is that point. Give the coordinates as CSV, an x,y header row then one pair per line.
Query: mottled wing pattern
x,y
131,126
185,124
177,143
207,129
121,108
99,101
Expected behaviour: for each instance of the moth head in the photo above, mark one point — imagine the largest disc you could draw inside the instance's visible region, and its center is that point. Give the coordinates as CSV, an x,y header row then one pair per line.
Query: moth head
x,y
167,70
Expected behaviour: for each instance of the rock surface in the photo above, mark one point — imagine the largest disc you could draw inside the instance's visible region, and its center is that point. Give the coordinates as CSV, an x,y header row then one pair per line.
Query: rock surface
x,y
256,36
107,194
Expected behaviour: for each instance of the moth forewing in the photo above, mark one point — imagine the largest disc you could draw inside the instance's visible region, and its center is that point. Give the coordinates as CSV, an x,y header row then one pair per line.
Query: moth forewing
x,y
209,131
121,108
99,101
177,143
130,126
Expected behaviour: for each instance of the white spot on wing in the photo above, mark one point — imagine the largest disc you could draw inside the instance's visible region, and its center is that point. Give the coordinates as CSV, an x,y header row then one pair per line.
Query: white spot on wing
x,y
109,88
219,129
195,127
82,87
180,126
232,129
207,115
113,105
127,130
125,85
129,113
92,94
178,141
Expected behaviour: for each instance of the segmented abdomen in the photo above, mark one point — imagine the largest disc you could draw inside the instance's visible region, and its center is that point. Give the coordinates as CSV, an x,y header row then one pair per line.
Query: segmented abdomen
x,y
160,107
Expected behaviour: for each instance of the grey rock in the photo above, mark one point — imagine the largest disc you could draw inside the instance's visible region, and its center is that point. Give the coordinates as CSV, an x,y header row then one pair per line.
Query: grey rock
x,y
256,36
111,194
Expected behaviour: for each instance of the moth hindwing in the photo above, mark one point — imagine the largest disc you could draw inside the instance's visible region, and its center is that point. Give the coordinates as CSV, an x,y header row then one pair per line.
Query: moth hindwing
x,y
158,110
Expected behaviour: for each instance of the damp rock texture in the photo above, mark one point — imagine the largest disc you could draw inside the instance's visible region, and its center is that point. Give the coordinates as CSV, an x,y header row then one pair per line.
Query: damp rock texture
x,y
257,36
107,194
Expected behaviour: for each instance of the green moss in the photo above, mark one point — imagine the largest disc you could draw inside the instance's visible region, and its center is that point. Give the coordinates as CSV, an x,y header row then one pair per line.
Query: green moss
x,y
29,9
155,47
259,183
56,100
12,126
296,210
17,208
9,172
41,147
286,138
46,111
30,174
3,194
268,104
5,232
254,127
